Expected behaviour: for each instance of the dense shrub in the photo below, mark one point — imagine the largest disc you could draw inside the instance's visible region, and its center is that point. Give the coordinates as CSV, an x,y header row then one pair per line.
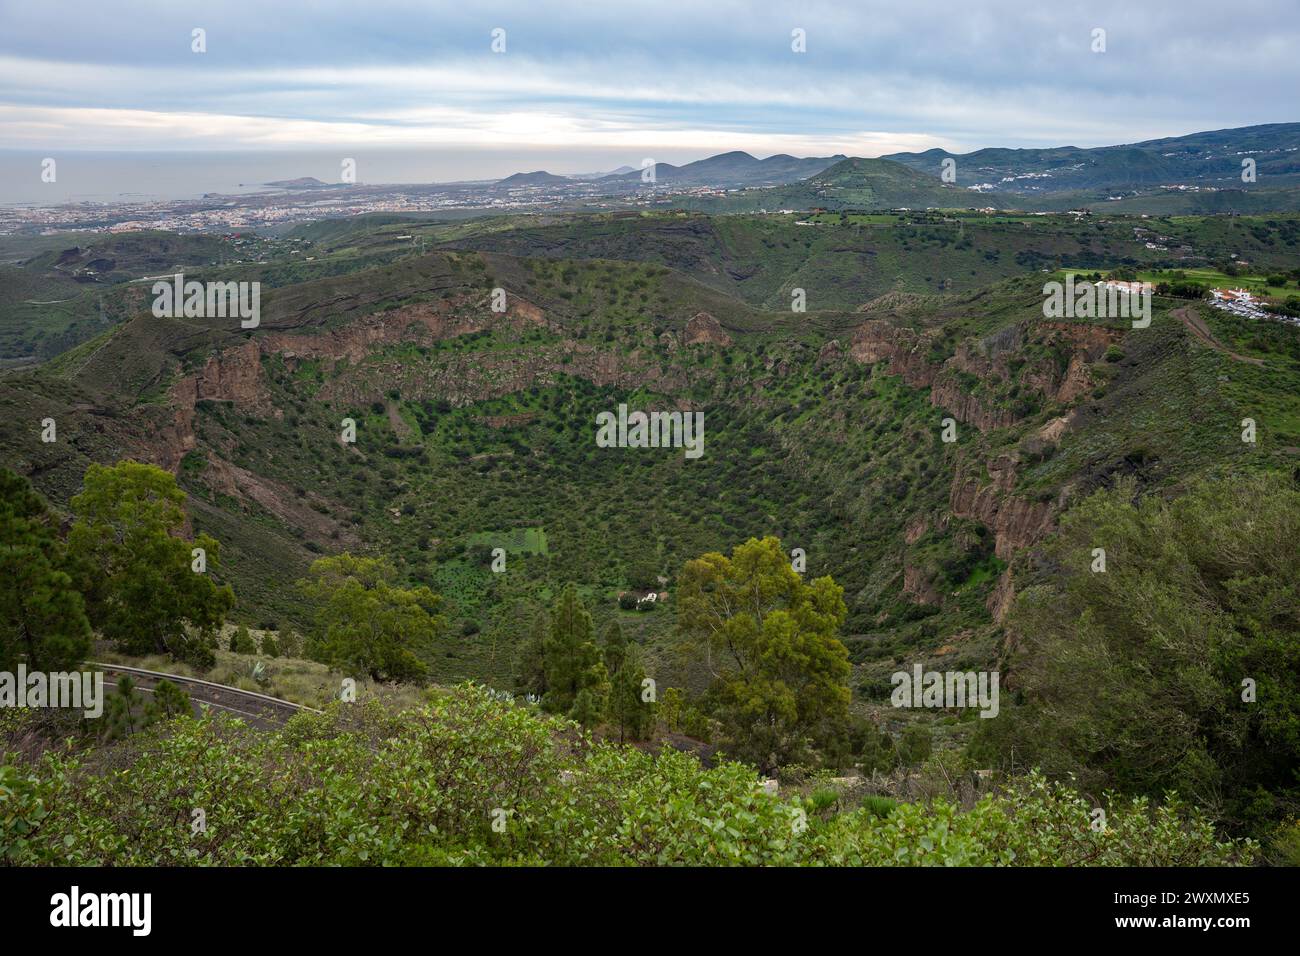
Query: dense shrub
x,y
1178,667
363,786
1036,823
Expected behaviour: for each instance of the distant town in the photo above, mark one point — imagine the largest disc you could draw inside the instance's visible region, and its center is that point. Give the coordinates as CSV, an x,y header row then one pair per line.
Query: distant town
x,y
306,200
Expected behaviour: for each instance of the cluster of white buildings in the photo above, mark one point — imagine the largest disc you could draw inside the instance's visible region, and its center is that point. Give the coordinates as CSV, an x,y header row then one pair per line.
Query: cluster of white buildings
x,y
1238,301
1128,288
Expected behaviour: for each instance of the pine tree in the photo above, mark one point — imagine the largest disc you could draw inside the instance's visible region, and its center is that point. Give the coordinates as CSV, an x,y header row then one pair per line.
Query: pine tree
x,y
769,637
592,698
241,641
167,701
530,674
563,650
671,704
588,707
627,709
615,645
122,720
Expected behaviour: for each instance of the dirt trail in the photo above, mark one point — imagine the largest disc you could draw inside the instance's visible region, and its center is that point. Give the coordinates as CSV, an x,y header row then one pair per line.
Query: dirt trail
x,y
1196,325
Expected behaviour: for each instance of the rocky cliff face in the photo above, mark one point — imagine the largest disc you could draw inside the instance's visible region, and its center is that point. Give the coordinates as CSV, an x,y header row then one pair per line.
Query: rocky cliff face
x,y
1052,359
1003,596
904,351
704,329
462,379
995,360
233,375
421,323
1081,345
949,394
918,586
1015,521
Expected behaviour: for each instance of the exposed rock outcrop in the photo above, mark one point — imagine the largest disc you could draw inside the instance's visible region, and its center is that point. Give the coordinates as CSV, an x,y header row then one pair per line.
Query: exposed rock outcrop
x,y
1016,522
916,529
277,498
232,375
421,323
950,395
465,378
235,374
509,421
1054,429
1002,597
992,360
704,329
919,586
904,350
830,353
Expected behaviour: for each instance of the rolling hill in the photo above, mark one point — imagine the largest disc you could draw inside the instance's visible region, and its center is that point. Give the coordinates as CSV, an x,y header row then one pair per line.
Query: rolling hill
x,y
849,184
734,169
1210,159
538,178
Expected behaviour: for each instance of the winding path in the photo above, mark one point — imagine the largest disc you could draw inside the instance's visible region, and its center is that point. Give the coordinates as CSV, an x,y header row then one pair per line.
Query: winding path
x,y
1201,332
260,710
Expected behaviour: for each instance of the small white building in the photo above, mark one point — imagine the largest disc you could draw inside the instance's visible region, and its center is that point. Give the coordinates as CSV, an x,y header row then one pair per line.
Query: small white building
x,y
1244,296
1128,288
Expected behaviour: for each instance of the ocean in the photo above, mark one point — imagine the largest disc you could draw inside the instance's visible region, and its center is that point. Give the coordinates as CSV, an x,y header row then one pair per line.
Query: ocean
x,y
85,176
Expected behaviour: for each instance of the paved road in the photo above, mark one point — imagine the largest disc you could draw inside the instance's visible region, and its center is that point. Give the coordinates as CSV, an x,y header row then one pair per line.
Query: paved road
x,y
259,710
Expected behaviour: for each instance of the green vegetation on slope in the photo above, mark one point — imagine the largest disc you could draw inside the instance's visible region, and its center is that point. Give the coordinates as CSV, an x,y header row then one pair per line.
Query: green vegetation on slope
x,y
469,780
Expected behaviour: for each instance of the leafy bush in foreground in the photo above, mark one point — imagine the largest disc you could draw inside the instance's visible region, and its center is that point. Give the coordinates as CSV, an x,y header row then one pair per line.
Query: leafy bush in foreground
x,y
469,779
1035,823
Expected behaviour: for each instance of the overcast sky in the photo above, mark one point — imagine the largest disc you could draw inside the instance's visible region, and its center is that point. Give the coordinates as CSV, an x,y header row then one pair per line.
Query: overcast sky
x,y
596,84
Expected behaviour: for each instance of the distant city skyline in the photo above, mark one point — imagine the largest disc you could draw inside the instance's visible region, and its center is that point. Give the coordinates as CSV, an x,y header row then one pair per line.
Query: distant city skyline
x,y
582,88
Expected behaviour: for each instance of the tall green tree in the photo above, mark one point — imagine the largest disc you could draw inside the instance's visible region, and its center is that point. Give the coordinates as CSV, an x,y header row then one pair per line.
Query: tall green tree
x,y
591,702
768,640
614,645
136,570
571,629
42,618
365,623
628,711
530,671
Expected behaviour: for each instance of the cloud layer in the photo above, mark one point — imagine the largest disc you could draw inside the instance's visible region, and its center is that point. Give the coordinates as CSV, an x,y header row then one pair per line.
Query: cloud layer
x,y
670,80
